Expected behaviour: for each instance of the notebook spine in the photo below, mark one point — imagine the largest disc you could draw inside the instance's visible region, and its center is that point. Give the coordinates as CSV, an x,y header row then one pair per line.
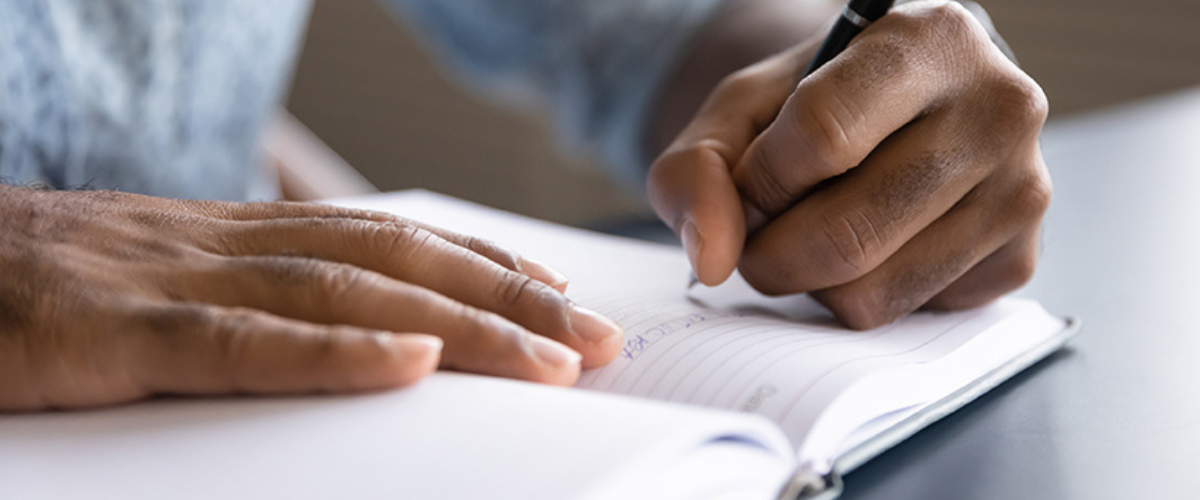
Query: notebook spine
x,y
808,485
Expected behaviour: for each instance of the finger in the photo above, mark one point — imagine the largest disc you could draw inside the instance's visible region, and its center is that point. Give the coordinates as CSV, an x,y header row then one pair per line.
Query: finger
x,y
258,212
280,210
690,185
943,253
202,349
1008,269
414,255
853,224
843,111
327,293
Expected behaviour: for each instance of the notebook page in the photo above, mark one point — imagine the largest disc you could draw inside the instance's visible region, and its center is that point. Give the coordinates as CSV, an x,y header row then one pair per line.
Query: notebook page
x,y
451,436
751,361
731,349
862,412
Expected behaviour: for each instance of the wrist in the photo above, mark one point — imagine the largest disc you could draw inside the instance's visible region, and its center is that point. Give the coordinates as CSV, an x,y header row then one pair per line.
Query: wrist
x,y
743,33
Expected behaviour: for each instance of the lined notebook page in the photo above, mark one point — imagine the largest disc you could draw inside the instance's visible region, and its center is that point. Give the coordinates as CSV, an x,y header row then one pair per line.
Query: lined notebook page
x,y
726,348
747,360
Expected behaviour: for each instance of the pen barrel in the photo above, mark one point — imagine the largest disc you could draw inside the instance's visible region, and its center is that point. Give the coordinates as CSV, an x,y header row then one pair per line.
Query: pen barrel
x,y
858,15
839,37
871,10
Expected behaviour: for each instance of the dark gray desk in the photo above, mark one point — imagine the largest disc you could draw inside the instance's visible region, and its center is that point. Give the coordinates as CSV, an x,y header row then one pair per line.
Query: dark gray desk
x,y
1118,414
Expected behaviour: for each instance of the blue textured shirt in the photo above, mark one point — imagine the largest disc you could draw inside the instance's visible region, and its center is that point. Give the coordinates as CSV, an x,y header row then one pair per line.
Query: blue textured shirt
x,y
171,97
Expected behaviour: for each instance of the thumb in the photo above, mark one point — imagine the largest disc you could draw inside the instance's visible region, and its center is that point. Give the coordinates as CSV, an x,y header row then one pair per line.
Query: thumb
x,y
691,185
692,191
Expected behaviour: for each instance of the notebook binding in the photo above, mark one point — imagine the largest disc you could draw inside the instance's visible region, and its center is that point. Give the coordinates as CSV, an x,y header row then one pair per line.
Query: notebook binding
x,y
808,485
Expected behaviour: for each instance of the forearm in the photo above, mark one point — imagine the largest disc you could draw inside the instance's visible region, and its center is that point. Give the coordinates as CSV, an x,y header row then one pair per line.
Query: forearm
x,y
745,32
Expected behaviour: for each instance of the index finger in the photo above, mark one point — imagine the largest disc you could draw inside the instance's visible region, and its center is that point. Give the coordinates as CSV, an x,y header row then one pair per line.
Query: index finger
x,y
269,211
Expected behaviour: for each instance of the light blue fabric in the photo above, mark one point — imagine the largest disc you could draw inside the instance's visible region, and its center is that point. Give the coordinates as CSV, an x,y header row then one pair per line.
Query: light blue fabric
x,y
165,97
598,65
171,97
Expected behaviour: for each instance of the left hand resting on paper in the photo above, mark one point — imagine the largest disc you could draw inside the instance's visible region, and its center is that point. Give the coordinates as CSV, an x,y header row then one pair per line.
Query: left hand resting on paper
x,y
111,297
904,173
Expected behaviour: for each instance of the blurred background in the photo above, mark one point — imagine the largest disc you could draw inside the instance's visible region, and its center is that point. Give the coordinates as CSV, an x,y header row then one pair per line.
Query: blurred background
x,y
367,88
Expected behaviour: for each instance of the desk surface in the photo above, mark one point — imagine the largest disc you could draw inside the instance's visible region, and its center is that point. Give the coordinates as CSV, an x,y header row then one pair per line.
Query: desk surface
x,y
1117,415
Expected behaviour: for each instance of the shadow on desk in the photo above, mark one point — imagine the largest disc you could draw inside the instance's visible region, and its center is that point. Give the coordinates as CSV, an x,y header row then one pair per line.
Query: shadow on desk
x,y
974,464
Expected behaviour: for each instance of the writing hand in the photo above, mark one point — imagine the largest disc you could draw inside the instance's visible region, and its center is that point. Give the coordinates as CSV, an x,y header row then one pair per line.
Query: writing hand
x,y
109,297
904,173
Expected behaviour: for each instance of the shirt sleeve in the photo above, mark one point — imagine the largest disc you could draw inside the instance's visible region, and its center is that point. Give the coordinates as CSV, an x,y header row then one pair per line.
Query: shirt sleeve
x,y
597,64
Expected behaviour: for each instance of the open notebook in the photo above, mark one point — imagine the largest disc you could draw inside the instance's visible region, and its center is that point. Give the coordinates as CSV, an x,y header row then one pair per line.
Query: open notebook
x,y
718,394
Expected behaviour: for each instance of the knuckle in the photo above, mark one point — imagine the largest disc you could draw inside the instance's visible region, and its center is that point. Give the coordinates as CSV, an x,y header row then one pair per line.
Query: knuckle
x,y
228,239
489,334
230,334
847,244
765,187
515,290
825,127
948,19
1032,196
1019,101
395,240
333,286
201,331
938,25
494,252
844,247
337,284
324,344
170,323
361,214
281,270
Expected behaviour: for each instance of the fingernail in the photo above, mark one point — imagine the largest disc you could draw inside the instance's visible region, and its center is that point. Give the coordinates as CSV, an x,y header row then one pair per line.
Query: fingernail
x,y
692,242
591,326
552,353
544,273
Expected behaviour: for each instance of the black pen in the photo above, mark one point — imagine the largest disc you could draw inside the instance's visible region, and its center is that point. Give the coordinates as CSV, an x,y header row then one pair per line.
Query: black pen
x,y
858,15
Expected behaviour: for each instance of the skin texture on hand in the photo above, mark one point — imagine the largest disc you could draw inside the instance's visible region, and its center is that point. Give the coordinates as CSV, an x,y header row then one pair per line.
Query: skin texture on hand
x,y
905,173
109,297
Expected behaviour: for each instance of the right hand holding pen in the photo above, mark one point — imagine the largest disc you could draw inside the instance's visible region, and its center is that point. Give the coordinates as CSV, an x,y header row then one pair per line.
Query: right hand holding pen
x,y
904,173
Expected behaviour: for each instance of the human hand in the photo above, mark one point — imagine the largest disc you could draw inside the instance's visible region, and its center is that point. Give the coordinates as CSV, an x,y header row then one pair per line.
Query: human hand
x,y
108,297
904,173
